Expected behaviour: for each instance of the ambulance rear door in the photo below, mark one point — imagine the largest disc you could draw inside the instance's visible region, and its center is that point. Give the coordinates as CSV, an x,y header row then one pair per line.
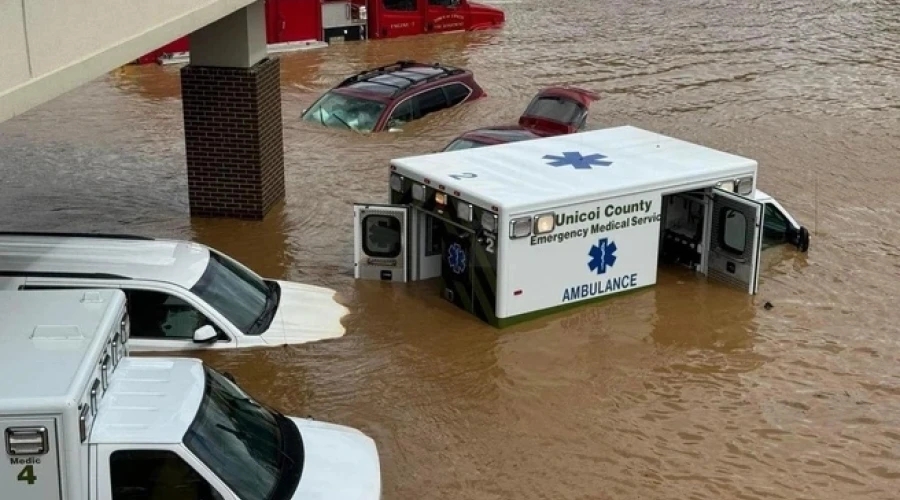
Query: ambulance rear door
x,y
735,242
381,242
30,468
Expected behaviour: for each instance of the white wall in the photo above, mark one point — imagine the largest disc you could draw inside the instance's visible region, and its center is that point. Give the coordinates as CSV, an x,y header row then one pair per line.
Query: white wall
x,y
49,47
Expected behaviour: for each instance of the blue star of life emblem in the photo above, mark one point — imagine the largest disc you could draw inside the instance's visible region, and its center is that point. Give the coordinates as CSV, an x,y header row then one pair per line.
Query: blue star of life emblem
x,y
456,258
576,160
603,256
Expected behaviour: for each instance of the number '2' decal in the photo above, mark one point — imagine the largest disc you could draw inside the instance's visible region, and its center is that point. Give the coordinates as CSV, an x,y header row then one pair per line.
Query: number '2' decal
x,y
489,244
464,175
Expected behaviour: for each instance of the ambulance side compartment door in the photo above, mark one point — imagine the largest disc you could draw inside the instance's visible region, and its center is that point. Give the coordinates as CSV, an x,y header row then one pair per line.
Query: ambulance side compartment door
x,y
735,242
381,242
31,466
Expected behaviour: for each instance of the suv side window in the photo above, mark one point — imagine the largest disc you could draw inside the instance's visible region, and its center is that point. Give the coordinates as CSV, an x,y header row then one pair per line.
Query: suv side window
x,y
431,101
403,113
456,93
153,474
160,315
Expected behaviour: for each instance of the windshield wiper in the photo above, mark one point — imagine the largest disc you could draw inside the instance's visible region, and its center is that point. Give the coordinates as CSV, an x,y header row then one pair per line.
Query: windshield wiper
x,y
243,399
268,309
342,121
243,438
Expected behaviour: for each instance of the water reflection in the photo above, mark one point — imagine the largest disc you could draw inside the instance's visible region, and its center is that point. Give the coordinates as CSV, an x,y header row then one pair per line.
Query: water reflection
x,y
243,239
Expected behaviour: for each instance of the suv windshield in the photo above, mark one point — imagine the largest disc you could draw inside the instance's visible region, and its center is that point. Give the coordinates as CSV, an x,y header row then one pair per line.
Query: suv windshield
x,y
244,298
242,442
344,111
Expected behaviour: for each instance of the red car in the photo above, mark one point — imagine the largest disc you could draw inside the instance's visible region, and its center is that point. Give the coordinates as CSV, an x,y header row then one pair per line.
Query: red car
x,y
387,97
553,111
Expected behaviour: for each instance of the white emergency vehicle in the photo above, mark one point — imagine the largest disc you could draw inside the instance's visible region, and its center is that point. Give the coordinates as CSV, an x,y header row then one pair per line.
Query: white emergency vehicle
x,y
181,295
526,228
80,419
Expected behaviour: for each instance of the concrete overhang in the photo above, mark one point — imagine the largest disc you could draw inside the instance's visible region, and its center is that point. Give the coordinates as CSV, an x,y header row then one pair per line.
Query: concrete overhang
x,y
49,47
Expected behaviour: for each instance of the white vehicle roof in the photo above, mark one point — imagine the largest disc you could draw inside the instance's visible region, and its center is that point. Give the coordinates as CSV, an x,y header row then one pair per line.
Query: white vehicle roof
x,y
173,261
150,401
517,177
49,343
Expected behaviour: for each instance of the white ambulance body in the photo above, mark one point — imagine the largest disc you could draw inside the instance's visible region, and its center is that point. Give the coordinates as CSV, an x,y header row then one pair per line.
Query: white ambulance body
x,y
82,420
526,228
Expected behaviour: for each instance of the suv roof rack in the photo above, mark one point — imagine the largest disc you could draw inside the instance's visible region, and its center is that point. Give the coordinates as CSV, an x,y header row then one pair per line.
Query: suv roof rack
x,y
77,235
369,74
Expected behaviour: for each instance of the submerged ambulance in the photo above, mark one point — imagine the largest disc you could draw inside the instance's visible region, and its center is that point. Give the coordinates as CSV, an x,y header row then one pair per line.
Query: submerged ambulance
x,y
80,419
520,229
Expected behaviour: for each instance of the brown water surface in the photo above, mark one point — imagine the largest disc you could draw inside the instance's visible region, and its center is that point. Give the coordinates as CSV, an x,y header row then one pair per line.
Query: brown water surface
x,y
683,391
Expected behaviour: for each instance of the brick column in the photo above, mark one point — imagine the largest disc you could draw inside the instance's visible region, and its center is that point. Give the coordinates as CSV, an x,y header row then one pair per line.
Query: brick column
x,y
233,138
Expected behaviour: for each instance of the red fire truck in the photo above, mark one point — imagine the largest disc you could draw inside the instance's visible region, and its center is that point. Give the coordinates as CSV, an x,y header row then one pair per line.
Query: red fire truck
x,y
291,24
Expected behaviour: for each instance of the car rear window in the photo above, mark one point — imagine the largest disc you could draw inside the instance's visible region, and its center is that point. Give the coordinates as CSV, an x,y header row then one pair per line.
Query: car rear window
x,y
556,109
508,135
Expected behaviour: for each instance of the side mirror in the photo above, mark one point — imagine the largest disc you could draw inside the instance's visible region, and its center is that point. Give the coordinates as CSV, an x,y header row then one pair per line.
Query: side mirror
x,y
205,334
803,239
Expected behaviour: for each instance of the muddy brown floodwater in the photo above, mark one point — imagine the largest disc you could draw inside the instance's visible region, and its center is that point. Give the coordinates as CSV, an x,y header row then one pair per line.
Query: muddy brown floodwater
x,y
683,391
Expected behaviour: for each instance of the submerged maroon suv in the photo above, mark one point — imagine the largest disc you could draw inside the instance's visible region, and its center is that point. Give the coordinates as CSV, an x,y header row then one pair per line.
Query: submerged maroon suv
x,y
385,98
553,111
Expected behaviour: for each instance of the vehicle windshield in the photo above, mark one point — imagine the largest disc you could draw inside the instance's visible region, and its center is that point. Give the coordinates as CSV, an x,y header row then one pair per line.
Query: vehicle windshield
x,y
237,293
344,111
239,440
463,144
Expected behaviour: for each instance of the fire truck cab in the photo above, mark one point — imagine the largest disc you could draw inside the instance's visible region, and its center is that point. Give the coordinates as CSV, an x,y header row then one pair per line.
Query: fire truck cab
x,y
394,18
302,24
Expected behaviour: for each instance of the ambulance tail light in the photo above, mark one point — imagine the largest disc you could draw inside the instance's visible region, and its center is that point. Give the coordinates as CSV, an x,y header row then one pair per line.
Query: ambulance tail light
x,y
489,222
520,227
440,198
544,223
726,186
396,182
744,185
464,210
418,192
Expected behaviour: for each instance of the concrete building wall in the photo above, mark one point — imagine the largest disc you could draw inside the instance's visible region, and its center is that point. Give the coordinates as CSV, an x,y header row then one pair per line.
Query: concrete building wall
x,y
49,47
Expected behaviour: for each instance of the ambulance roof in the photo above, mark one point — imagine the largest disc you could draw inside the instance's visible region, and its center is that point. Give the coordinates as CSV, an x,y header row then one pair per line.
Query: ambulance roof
x,y
150,401
49,342
181,263
573,168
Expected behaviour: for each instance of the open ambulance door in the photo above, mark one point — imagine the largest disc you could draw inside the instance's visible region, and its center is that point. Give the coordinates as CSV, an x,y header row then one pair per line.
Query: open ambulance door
x,y
735,242
381,242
